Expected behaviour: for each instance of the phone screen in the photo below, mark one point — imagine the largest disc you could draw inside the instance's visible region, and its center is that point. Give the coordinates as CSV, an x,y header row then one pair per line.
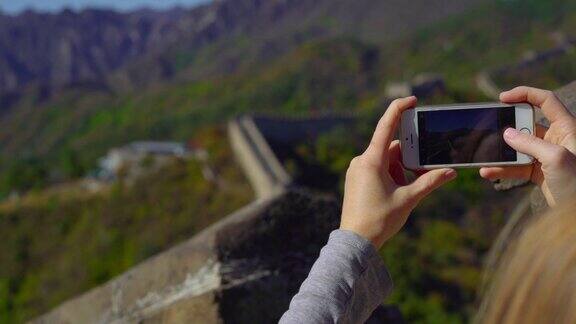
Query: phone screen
x,y
465,135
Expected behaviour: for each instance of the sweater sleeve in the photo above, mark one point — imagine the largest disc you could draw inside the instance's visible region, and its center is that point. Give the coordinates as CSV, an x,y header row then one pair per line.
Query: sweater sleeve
x,y
345,285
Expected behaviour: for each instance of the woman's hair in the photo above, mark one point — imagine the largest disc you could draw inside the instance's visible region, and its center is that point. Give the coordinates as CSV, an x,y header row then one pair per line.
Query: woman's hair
x,y
535,281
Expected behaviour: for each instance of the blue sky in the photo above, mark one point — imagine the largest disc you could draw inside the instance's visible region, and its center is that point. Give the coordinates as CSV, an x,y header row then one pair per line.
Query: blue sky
x,y
16,6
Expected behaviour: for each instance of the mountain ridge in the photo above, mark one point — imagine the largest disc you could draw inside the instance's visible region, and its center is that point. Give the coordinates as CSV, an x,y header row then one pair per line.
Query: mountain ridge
x,y
137,49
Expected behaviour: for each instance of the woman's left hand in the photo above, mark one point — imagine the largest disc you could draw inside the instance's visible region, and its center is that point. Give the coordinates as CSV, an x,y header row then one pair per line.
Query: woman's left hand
x,y
377,197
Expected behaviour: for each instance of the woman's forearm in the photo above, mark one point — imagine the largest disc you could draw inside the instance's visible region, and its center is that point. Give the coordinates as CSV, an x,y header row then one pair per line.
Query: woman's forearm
x,y
346,283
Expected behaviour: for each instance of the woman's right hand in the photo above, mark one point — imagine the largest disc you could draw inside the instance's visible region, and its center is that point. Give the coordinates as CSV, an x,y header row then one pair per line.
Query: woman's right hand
x,y
553,148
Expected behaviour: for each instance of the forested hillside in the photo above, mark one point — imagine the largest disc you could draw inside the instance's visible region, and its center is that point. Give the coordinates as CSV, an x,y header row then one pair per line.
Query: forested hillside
x,y
335,74
250,56
146,47
60,244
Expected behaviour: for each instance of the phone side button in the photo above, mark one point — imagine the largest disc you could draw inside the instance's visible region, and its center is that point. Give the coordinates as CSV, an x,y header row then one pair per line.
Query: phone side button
x,y
526,130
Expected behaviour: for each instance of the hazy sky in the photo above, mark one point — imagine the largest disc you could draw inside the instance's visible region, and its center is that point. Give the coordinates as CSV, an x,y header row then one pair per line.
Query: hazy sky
x,y
15,6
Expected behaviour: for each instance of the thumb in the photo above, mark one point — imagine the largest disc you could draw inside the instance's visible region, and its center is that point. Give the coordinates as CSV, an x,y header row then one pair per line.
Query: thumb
x,y
529,144
428,182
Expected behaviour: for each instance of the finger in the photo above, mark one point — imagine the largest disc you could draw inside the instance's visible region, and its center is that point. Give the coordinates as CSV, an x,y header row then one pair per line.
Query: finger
x,y
512,172
498,173
528,144
552,108
429,182
416,173
386,129
395,169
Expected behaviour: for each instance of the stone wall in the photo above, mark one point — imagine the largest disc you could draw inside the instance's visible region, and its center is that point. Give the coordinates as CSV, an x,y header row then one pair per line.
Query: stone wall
x,y
258,143
265,173
178,283
244,269
485,79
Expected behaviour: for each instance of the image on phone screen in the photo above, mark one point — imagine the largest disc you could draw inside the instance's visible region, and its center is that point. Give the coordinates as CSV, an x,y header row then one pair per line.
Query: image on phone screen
x,y
465,135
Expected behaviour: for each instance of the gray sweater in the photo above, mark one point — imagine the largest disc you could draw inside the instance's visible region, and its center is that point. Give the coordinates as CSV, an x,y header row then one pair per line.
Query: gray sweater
x,y
346,283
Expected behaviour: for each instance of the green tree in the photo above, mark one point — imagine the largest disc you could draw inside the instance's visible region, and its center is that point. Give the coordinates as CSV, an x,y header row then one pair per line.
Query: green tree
x,y
25,174
71,164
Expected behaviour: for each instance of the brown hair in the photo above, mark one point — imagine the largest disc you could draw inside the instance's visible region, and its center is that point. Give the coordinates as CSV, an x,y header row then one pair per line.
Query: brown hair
x,y
535,281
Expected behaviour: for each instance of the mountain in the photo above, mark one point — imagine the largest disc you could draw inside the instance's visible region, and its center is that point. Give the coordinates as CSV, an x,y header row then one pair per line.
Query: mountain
x,y
145,47
253,66
247,33
66,48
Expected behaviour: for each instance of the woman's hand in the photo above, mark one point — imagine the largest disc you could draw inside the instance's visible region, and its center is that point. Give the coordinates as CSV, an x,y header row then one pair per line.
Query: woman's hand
x,y
377,199
553,148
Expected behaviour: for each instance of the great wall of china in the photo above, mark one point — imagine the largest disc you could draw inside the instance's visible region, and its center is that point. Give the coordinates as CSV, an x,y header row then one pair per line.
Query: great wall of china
x,y
248,265
485,79
261,166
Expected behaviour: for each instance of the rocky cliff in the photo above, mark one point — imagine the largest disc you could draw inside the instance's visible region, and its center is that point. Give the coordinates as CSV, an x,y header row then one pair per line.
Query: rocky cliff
x,y
56,50
71,47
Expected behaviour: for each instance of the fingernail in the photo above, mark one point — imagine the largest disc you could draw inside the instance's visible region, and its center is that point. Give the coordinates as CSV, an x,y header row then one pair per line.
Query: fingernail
x,y
503,94
450,173
511,133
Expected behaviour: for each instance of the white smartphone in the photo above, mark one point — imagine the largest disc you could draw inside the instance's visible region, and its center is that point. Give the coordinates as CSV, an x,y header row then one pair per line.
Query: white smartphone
x,y
463,135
